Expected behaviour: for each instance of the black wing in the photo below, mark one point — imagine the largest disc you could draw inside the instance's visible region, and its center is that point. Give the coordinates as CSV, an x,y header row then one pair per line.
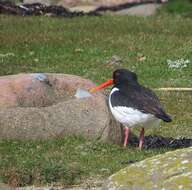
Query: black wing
x,y
142,99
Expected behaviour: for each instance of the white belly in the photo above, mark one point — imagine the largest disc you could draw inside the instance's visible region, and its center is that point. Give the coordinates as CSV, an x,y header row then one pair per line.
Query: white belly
x,y
132,117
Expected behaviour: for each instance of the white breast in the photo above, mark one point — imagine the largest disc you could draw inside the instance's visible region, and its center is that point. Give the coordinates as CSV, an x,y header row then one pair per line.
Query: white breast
x,y
132,117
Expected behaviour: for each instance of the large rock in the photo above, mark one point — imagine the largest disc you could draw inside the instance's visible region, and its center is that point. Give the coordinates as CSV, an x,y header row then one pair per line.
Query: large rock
x,y
140,10
172,170
121,7
44,2
92,3
40,106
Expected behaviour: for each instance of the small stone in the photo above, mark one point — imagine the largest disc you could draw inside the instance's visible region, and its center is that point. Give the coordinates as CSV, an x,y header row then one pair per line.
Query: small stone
x,y
78,50
185,162
36,60
114,60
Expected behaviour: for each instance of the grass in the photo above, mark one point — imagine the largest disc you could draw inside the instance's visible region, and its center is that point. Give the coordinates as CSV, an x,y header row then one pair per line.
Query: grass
x,y
67,161
182,7
82,46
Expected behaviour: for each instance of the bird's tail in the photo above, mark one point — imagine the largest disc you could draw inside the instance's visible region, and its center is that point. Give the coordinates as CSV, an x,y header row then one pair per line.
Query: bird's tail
x,y
165,117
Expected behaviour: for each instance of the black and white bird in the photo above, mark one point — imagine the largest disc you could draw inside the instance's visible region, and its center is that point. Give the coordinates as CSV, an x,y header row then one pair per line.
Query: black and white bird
x,y
133,104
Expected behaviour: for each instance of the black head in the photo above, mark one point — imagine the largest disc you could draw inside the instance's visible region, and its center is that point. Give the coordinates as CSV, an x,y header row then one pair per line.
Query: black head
x,y
124,76
121,78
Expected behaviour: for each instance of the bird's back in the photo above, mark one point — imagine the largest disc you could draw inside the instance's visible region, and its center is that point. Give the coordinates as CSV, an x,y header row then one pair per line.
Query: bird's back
x,y
139,98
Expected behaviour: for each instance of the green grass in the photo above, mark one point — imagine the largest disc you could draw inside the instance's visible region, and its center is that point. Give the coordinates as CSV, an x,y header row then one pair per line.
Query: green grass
x,y
182,7
82,46
68,161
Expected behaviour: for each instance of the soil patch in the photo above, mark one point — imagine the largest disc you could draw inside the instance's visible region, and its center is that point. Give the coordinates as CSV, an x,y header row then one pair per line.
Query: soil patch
x,y
162,142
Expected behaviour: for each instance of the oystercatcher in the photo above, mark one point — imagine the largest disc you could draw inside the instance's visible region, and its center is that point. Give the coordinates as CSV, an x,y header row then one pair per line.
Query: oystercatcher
x,y
133,104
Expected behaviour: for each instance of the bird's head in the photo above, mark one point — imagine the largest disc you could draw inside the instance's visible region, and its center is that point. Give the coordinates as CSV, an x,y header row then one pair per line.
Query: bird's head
x,y
120,77
124,76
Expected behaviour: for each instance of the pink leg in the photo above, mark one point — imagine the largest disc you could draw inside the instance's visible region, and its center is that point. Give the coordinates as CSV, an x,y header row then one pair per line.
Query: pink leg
x,y
126,137
141,138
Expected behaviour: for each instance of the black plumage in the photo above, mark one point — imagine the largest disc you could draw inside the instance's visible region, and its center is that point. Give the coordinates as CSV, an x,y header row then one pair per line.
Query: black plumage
x,y
132,94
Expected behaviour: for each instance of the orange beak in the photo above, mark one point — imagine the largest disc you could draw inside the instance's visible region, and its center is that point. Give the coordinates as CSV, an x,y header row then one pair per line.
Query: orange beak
x,y
103,85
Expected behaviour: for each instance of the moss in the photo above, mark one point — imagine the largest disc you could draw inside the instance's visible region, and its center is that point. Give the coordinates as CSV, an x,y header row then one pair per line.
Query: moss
x,y
168,170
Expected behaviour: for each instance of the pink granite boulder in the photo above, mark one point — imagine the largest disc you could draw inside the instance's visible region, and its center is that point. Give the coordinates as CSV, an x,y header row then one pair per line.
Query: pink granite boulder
x,y
41,106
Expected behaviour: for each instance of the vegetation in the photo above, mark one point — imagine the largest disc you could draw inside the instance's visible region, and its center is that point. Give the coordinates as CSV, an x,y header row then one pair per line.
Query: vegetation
x,y
183,7
67,161
83,46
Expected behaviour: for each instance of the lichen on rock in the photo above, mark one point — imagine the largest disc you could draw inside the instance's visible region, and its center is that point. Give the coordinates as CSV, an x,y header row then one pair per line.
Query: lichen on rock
x,y
171,170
